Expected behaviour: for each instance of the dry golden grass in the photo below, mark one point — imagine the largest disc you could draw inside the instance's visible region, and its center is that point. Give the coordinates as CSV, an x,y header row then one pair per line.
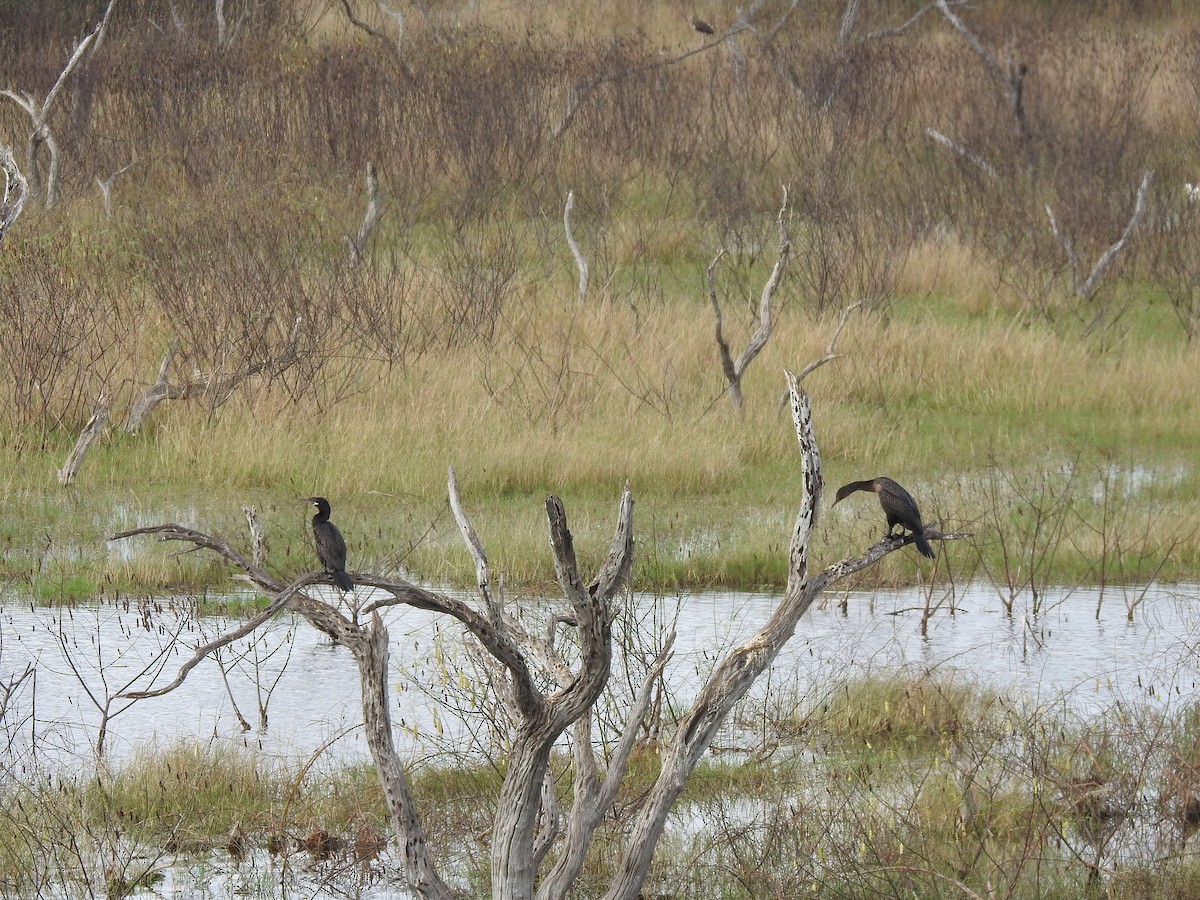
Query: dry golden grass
x,y
470,349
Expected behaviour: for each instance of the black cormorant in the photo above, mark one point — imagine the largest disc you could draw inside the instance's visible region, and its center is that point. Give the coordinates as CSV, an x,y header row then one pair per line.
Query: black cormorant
x,y
898,505
331,546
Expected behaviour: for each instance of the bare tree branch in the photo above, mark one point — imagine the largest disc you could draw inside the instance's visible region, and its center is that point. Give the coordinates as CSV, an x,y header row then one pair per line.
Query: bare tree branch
x,y
579,93
1012,82
161,390
397,45
219,387
959,150
201,652
106,184
258,536
364,26
848,16
474,547
830,353
908,23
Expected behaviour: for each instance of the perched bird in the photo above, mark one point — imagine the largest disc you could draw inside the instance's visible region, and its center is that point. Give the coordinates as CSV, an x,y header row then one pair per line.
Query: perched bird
x,y
701,26
898,505
331,547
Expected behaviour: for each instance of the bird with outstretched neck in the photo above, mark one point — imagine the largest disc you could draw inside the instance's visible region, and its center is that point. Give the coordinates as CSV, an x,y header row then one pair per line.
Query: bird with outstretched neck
x,y
898,505
330,545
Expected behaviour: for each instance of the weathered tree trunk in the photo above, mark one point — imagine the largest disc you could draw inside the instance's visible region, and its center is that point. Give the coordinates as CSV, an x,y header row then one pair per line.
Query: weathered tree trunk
x,y
16,191
580,259
358,244
70,469
371,653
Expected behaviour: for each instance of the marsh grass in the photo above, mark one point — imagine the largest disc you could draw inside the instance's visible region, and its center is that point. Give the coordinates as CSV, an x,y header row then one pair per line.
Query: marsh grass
x,y
460,342
897,781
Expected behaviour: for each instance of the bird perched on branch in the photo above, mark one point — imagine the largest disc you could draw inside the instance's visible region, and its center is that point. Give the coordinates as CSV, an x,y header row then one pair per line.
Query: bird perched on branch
x,y
330,545
898,505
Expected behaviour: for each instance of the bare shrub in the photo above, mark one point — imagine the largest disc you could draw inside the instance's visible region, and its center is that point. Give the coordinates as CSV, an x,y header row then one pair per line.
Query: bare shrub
x,y
480,271
1027,517
253,315
66,333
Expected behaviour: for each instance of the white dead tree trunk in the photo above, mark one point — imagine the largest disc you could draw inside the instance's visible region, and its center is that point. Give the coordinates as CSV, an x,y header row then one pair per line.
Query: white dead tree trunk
x,y
105,186
358,244
580,260
1085,287
40,134
544,694
735,369
16,191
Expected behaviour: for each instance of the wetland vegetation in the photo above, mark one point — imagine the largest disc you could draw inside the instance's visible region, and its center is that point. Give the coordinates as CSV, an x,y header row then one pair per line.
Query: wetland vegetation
x,y
1013,217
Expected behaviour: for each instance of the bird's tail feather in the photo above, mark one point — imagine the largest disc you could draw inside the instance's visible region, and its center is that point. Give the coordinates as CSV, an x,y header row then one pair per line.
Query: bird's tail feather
x,y
346,583
923,545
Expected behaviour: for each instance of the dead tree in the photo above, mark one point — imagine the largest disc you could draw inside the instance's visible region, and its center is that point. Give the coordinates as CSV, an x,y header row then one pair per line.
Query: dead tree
x,y
105,186
358,243
1084,287
217,387
91,430
546,692
580,259
15,193
735,369
1011,79
40,134
850,14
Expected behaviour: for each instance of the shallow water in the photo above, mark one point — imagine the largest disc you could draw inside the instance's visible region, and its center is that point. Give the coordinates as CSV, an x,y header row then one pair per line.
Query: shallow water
x,y
1066,655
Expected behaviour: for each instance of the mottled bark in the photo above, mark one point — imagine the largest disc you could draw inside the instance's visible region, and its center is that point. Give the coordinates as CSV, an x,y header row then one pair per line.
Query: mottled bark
x,y
15,193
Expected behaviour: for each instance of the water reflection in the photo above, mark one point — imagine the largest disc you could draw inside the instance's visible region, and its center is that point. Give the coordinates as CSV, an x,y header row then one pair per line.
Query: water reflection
x,y
1067,655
